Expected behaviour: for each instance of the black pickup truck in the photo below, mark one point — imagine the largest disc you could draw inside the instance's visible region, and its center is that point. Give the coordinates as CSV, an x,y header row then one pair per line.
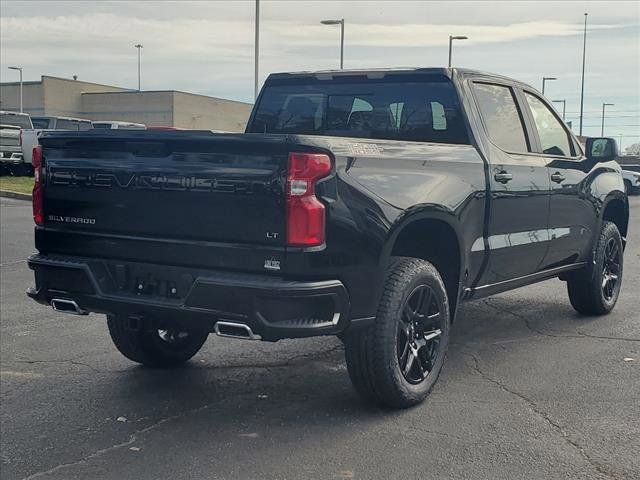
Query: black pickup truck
x,y
363,204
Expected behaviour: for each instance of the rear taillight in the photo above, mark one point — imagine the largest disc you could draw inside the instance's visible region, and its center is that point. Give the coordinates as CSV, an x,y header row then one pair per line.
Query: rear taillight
x,y
20,137
36,197
305,213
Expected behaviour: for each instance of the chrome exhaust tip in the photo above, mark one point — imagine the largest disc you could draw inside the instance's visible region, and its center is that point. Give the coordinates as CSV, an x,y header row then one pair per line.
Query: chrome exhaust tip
x,y
235,330
67,306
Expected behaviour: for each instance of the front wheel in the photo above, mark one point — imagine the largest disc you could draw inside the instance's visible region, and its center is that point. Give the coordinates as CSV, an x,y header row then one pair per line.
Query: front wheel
x,y
628,187
396,361
155,348
594,290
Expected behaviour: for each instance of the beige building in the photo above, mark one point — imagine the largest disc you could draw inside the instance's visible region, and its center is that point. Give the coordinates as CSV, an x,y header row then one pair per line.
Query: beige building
x,y
53,96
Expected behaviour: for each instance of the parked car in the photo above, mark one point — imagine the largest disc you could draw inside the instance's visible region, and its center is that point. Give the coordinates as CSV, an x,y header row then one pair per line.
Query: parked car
x,y
61,123
43,124
363,204
116,125
11,125
631,181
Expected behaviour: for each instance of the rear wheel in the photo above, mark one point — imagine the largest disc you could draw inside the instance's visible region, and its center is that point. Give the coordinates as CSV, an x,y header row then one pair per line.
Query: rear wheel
x,y
595,289
157,347
397,361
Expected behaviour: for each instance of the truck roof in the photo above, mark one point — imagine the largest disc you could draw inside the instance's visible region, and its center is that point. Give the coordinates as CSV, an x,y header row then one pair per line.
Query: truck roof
x,y
58,117
379,72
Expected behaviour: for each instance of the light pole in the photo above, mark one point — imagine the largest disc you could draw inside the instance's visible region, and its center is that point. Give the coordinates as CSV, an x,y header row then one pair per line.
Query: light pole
x,y
584,52
451,39
564,106
545,80
341,23
20,70
603,106
139,47
256,46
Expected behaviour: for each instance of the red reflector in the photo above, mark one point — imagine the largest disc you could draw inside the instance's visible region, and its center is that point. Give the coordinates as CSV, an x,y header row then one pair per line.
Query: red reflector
x,y
37,194
305,213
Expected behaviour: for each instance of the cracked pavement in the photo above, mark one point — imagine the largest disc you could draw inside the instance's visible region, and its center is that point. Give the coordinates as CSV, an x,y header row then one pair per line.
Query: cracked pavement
x,y
530,390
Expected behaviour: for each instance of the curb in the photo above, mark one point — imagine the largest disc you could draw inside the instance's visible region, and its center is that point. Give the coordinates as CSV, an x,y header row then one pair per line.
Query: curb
x,y
17,195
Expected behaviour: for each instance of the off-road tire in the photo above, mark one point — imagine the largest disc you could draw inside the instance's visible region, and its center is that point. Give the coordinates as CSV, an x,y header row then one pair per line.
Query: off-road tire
x,y
585,286
372,355
148,348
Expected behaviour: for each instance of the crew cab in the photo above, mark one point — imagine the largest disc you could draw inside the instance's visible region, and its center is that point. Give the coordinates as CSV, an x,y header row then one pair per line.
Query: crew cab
x,y
365,204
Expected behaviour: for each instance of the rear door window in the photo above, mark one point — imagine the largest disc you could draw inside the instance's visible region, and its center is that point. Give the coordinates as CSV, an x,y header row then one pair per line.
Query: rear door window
x,y
501,116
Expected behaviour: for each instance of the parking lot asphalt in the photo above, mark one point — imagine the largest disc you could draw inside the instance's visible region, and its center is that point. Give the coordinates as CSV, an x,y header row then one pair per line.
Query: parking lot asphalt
x,y
530,390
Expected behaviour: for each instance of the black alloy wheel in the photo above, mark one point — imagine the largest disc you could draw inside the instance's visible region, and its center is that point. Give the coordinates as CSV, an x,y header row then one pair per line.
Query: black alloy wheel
x,y
419,332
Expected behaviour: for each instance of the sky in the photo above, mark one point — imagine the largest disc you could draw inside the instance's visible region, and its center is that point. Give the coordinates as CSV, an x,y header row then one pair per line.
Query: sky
x,y
207,47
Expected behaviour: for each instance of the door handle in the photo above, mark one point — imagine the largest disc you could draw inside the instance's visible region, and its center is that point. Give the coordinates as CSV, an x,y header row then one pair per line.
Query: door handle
x,y
503,177
557,177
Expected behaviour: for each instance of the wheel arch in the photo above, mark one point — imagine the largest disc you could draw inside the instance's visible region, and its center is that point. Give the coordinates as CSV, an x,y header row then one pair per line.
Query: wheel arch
x,y
616,209
432,234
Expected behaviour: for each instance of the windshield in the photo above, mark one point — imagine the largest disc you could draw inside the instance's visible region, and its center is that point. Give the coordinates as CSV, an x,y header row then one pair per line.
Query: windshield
x,y
22,121
410,107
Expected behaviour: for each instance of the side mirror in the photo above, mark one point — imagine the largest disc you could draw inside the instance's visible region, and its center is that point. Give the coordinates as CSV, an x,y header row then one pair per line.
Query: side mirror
x,y
602,149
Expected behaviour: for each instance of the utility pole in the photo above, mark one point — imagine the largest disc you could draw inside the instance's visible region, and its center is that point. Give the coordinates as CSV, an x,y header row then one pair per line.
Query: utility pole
x,y
257,50
139,47
20,70
584,53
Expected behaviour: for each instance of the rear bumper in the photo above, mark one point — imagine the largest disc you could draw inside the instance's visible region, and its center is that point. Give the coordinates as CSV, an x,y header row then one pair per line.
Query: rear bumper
x,y
272,307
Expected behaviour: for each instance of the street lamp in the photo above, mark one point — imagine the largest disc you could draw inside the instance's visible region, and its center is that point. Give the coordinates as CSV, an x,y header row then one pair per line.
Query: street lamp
x,y
603,107
451,39
544,80
584,53
20,70
341,23
256,51
139,47
564,106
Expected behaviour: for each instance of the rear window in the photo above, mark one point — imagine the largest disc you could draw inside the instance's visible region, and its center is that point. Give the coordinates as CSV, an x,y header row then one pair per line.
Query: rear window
x,y
417,108
22,121
102,125
40,122
75,125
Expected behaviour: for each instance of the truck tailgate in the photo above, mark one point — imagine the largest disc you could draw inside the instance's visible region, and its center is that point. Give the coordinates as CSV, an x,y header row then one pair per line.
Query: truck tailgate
x,y
167,197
